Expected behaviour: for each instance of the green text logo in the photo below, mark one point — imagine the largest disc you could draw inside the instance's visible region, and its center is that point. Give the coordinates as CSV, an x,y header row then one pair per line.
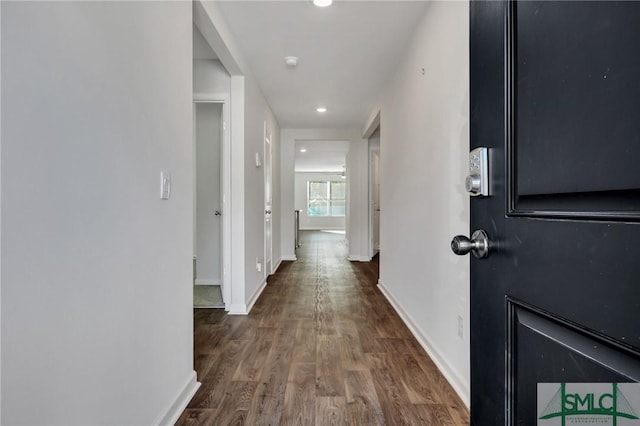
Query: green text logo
x,y
588,403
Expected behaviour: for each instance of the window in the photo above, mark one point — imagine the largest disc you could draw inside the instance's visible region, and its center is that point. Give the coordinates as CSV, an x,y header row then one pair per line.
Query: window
x,y
326,198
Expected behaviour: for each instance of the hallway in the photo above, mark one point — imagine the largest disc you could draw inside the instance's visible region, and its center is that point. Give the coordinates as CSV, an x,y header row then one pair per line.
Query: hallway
x,y
321,346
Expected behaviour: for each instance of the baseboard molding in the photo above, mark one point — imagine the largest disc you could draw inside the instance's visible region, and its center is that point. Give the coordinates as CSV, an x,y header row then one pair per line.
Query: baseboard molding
x,y
289,258
459,384
207,281
242,309
275,268
256,295
237,309
171,415
323,229
356,258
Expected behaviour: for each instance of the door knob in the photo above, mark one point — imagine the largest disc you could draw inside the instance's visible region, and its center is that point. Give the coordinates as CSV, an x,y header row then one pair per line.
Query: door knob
x,y
478,245
217,213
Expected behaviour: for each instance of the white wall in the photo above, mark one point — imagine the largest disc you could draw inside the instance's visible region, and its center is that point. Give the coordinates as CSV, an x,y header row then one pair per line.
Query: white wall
x,y
1,137
249,112
358,200
315,222
257,112
208,197
210,78
96,278
424,144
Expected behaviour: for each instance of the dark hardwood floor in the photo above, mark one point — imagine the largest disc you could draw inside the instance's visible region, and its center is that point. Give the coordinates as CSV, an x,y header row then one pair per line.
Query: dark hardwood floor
x,y
322,346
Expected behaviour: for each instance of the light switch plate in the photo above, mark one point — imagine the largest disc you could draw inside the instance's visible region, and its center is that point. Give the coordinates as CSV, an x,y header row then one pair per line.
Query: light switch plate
x,y
165,184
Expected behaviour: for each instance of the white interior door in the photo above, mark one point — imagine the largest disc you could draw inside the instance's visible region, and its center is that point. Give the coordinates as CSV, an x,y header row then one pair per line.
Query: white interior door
x,y
208,205
267,203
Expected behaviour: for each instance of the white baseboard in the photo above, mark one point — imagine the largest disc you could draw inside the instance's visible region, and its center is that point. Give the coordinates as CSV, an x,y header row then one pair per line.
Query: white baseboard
x,y
289,258
329,228
207,281
357,258
242,309
275,268
459,384
256,295
237,309
171,415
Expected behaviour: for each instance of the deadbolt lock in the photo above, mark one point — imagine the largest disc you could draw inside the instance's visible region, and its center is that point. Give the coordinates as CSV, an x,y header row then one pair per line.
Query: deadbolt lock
x,y
477,183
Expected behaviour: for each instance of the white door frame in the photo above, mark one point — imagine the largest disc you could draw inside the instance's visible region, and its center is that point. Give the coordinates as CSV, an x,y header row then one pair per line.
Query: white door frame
x,y
225,180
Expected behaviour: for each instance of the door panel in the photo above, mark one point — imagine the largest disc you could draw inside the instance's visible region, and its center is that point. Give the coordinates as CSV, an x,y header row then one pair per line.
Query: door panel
x,y
572,269
549,350
576,111
575,133
555,96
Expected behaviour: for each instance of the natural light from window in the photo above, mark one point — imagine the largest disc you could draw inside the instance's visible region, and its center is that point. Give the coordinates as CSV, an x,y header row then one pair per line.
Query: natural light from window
x,y
326,198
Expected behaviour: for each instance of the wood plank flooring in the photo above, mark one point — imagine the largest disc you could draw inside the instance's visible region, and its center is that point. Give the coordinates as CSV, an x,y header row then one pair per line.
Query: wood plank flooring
x,y
322,346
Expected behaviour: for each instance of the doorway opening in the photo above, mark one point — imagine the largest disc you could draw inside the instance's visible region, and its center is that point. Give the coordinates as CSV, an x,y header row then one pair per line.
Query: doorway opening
x,y
321,185
208,232
374,198
212,201
374,193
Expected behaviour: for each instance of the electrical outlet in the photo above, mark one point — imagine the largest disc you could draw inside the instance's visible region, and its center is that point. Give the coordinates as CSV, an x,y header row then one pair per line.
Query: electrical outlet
x,y
460,327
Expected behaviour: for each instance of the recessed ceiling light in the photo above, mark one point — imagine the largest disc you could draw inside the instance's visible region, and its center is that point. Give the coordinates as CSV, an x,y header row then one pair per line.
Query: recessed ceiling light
x,y
321,109
322,3
291,61
303,149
